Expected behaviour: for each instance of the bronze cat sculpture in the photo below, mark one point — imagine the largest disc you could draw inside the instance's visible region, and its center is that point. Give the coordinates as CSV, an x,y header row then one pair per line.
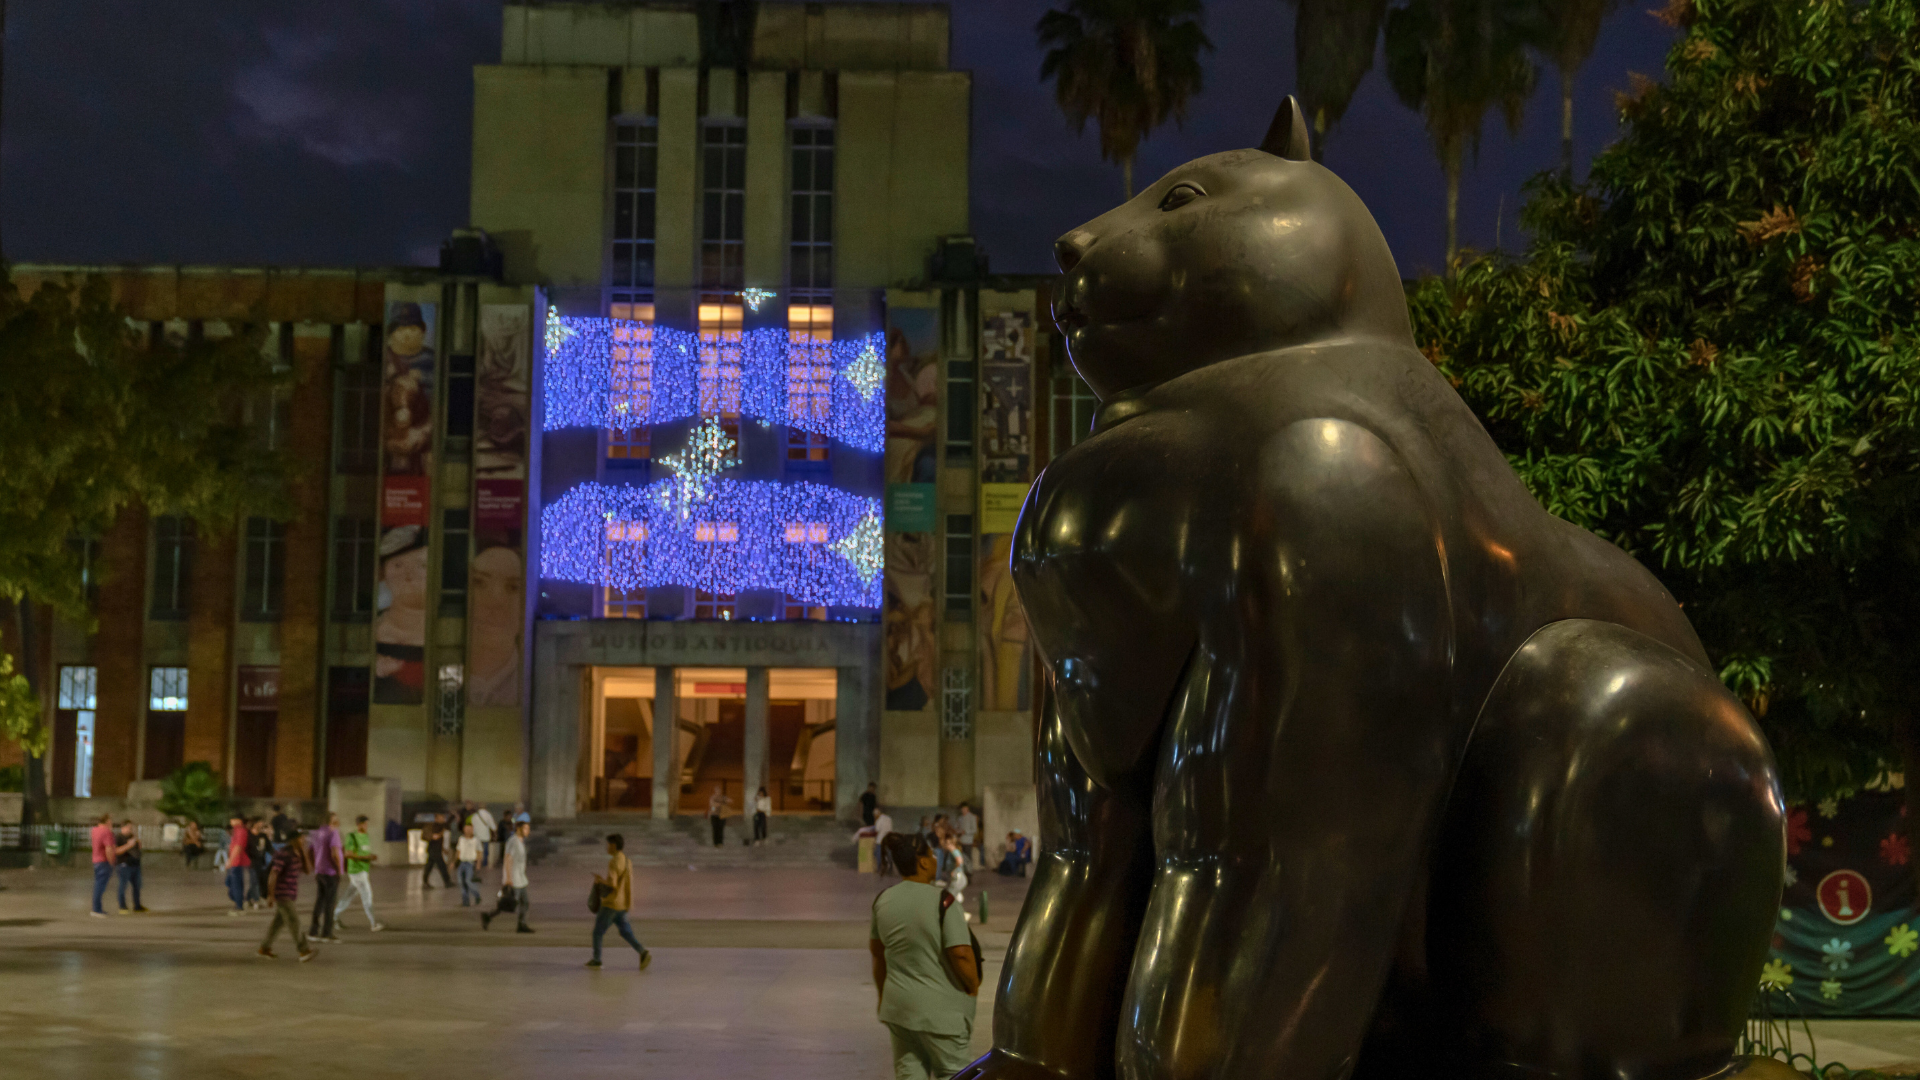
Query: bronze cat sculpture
x,y
1356,762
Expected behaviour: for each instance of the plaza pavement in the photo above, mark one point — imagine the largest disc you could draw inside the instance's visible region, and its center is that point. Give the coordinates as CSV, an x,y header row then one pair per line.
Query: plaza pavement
x,y
757,973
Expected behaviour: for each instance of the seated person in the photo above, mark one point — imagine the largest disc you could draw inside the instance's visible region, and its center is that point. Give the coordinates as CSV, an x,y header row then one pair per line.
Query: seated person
x,y
1018,853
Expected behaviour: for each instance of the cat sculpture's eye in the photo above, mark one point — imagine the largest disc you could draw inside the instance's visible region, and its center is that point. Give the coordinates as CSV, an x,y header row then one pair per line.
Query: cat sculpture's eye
x,y
1180,195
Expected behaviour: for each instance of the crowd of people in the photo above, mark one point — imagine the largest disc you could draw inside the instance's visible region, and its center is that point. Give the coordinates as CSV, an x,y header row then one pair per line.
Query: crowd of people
x,y
956,843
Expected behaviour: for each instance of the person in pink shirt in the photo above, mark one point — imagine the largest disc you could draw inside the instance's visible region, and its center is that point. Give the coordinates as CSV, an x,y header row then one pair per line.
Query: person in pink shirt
x,y
103,845
239,866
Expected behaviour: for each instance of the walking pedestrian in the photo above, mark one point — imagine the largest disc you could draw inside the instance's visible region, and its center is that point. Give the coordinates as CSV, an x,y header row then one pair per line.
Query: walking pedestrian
x,y
436,853
483,830
126,862
260,854
617,902
101,836
467,858
358,847
869,804
513,876
283,884
239,864
282,826
924,968
505,831
192,844
762,806
717,804
967,824
323,844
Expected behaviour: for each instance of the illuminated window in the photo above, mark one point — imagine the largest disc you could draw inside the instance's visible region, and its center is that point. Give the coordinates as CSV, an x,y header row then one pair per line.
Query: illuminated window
x,y
167,689
631,389
708,605
809,380
719,373
716,532
1073,409
806,532
799,612
623,604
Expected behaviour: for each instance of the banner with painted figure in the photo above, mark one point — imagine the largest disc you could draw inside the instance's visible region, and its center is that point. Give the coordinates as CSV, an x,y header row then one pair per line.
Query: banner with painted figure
x,y
911,621
913,416
913,393
1848,939
1006,471
406,445
497,603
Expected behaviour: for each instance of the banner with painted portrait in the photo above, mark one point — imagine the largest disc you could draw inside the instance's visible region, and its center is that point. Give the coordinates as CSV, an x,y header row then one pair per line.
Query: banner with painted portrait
x,y
1006,471
496,610
406,449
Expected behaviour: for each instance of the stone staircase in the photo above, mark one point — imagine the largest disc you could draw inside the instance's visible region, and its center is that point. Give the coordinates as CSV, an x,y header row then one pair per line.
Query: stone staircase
x,y
792,841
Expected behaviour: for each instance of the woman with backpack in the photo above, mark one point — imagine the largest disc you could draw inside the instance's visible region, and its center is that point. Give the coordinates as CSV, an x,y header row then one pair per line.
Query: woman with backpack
x,y
926,966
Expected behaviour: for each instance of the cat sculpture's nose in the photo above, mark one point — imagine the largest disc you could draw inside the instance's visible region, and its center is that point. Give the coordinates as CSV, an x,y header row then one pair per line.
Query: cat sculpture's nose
x,y
1071,248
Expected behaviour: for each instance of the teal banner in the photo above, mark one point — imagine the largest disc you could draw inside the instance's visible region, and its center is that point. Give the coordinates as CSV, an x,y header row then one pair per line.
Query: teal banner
x,y
910,508
1848,939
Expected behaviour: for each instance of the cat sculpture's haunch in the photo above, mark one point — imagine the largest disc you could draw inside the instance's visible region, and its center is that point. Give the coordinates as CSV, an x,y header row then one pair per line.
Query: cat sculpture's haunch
x,y
1356,761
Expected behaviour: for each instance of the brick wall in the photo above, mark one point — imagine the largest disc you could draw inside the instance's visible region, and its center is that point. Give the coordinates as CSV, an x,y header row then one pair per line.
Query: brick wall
x,y
210,647
121,611
306,553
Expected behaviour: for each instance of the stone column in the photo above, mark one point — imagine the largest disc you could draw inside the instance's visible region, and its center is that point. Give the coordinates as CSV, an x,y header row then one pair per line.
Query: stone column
x,y
757,750
666,752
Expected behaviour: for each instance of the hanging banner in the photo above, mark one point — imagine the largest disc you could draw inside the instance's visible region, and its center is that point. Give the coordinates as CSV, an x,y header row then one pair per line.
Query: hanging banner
x,y
1006,471
496,600
1848,939
406,444
913,418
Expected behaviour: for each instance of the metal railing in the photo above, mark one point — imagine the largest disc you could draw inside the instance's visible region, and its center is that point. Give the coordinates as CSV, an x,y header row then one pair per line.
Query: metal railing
x,y
1771,1032
152,837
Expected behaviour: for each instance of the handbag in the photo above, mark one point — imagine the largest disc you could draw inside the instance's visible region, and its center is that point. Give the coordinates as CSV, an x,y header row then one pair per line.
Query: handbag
x,y
979,959
596,896
506,903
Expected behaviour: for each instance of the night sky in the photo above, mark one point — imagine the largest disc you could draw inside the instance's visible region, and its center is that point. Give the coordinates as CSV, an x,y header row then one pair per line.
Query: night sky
x,y
337,134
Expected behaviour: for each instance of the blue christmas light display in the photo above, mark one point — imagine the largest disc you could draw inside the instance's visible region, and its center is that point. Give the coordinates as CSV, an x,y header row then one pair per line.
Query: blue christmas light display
x,y
817,544
781,381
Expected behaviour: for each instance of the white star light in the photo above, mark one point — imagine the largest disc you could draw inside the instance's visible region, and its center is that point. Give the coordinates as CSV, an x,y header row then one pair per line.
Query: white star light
x,y
707,454
755,297
866,372
557,331
865,548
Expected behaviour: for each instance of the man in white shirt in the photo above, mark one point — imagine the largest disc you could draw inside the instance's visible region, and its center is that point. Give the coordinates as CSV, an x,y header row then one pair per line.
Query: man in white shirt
x,y
513,875
483,831
967,824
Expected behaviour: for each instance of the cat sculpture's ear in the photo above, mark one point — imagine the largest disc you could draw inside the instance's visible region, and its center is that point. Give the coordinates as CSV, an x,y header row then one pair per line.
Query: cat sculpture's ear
x,y
1287,135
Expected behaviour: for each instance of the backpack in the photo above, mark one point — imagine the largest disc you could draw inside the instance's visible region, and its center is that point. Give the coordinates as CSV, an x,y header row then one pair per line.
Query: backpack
x,y
947,900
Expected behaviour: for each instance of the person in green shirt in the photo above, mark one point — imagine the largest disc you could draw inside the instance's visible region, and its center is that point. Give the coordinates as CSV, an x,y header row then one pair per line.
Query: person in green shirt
x,y
360,859
923,967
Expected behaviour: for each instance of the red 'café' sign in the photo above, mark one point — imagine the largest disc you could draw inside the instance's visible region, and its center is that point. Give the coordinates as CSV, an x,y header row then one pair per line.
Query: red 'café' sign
x,y
259,688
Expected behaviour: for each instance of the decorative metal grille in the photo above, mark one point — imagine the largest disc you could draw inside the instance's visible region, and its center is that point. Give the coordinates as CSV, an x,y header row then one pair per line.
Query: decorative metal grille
x,y
956,716
167,689
448,715
76,687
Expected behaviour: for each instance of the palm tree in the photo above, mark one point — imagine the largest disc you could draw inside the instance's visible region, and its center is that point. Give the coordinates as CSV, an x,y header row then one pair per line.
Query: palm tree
x,y
1128,65
1453,60
1333,43
1572,27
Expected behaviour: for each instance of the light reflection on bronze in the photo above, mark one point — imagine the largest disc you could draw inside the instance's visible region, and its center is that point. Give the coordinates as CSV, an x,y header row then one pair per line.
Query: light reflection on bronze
x,y
1354,761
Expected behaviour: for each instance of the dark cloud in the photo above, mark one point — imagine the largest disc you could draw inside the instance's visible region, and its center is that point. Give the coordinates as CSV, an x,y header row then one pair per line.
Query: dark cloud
x,y
220,131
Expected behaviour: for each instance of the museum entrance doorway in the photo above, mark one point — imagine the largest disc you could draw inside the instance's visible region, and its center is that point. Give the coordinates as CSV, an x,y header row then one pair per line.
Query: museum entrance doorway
x,y
711,748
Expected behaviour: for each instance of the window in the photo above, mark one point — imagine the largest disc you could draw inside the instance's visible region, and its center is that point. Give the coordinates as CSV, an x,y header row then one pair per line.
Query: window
x,y
956,712
960,411
723,195
623,604
449,708
719,371
353,569
809,380
459,422
167,689
267,414
266,570
707,605
73,730
632,380
172,567
1073,409
810,257
356,438
635,173
453,562
959,573
86,550
797,611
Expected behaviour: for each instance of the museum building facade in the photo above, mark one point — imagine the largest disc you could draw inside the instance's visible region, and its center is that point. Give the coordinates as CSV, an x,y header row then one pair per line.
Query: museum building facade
x,y
714,414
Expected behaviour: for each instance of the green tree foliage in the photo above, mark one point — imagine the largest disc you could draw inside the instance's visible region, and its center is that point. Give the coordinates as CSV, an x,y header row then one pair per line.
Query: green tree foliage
x,y
195,791
20,710
1569,29
1709,354
94,421
1127,65
1333,44
1452,60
